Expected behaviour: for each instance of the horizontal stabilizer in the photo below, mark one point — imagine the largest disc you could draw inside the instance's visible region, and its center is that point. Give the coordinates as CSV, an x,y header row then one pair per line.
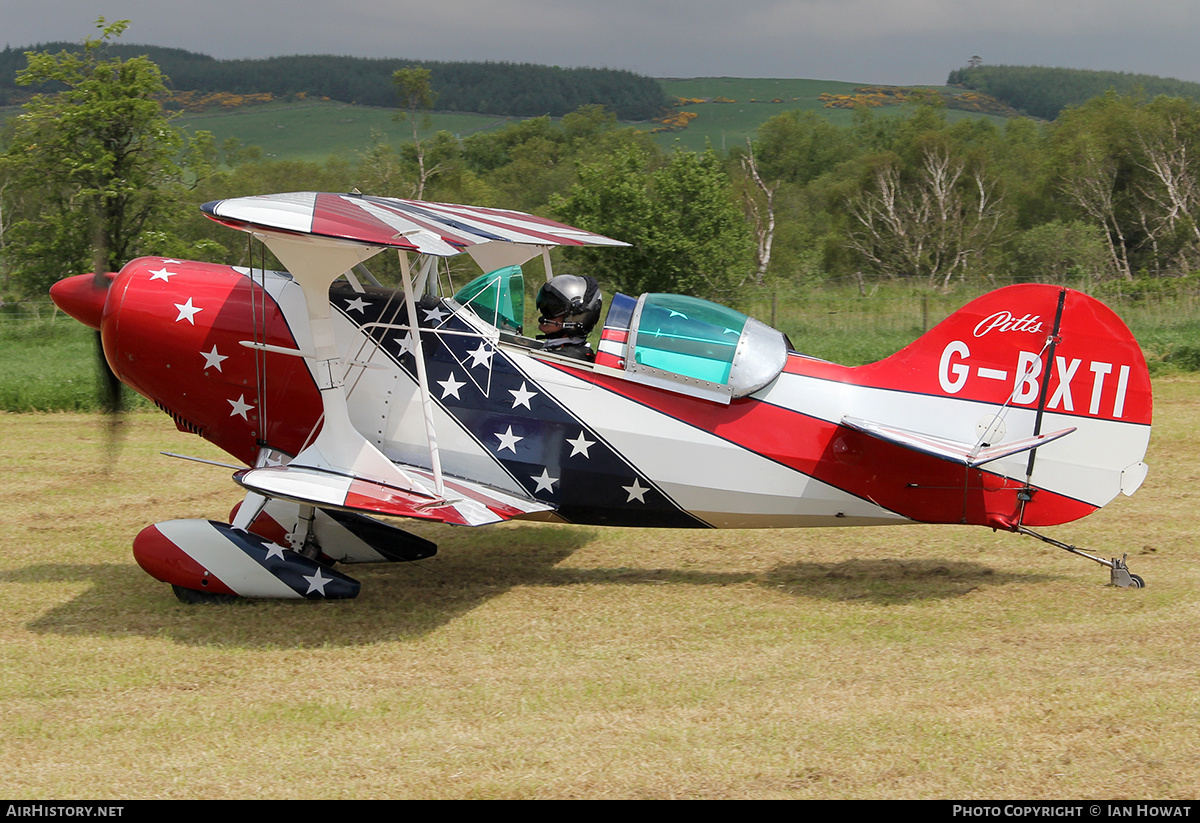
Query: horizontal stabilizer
x,y
967,454
466,503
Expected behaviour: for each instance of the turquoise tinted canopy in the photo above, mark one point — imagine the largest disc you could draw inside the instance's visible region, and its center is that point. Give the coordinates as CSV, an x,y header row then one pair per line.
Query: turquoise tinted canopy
x,y
688,336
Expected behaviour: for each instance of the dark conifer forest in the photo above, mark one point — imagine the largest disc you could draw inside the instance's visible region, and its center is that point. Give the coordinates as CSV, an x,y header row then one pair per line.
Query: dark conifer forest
x,y
1044,92
508,89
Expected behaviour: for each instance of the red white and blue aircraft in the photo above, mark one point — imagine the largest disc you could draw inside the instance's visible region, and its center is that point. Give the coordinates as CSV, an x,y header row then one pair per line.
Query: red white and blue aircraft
x,y
345,400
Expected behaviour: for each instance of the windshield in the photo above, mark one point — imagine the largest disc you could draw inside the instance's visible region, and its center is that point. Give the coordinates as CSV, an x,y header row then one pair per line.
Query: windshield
x,y
497,297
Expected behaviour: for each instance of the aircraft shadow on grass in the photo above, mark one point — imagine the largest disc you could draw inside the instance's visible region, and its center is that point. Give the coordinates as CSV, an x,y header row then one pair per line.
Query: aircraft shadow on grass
x,y
412,600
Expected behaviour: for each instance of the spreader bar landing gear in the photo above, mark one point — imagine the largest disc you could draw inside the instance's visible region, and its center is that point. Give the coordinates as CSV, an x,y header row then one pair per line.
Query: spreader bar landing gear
x,y
1119,572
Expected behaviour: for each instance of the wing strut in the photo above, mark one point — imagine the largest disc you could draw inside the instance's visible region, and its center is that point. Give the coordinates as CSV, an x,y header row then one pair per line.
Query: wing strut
x,y
410,305
339,447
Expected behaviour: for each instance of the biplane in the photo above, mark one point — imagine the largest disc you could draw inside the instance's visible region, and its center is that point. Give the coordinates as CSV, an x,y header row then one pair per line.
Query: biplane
x,y
347,404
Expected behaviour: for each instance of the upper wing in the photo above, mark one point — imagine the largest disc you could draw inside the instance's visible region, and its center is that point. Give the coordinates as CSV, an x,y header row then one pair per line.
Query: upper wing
x,y
439,229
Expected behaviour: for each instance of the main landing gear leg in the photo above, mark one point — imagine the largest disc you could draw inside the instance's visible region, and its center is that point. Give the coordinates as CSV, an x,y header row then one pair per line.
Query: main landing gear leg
x,y
1118,572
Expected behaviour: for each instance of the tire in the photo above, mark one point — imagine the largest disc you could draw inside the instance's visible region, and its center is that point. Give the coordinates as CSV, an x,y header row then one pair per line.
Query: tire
x,y
195,598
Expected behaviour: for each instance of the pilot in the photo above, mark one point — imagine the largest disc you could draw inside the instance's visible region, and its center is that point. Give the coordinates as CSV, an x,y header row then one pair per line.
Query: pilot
x,y
570,306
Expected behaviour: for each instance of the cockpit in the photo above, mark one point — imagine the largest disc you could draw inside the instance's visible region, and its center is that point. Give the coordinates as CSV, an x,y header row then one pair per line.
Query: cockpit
x,y
674,342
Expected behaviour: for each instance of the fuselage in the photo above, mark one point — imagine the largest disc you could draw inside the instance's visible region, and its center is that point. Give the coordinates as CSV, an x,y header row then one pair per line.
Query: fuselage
x,y
206,343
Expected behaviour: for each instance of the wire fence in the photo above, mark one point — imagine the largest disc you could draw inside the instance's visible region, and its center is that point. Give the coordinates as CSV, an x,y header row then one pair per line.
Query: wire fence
x,y
823,308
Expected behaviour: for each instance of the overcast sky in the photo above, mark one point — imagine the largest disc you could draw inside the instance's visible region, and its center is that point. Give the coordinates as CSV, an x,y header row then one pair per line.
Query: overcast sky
x,y
870,41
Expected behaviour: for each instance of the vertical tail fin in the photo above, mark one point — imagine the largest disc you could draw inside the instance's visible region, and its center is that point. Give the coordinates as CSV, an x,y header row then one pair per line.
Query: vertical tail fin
x,y
1019,363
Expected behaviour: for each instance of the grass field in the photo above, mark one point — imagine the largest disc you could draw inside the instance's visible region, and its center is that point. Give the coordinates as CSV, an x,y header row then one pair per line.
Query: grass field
x,y
538,661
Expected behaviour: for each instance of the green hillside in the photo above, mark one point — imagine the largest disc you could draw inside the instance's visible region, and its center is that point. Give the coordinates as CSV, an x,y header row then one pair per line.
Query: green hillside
x,y
327,105
722,124
316,130
755,100
499,88
356,96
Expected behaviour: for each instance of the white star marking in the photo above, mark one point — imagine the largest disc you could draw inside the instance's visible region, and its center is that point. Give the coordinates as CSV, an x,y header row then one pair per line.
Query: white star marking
x,y
522,396
450,387
636,491
405,343
508,440
435,314
357,304
482,356
580,445
274,550
545,482
240,407
163,275
213,360
316,583
187,311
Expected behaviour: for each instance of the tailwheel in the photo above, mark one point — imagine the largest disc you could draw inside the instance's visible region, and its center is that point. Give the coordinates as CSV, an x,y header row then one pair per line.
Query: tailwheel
x,y
196,598
1121,576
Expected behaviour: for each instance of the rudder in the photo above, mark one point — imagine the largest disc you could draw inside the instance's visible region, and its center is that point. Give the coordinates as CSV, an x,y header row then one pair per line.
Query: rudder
x,y
1021,362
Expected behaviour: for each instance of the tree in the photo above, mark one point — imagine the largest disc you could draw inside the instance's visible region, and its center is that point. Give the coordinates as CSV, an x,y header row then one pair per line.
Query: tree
x,y
929,222
1167,141
1056,251
1130,167
94,161
379,168
761,216
800,146
416,95
687,230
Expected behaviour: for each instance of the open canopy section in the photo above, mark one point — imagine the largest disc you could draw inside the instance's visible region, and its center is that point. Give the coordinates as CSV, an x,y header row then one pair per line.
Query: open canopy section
x,y
497,297
494,237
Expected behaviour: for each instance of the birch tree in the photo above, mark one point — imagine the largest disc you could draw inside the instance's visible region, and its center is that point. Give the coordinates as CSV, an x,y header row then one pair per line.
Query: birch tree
x,y
930,222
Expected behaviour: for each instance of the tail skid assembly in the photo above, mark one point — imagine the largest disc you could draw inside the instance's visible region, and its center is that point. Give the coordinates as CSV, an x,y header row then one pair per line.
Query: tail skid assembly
x,y
1120,575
